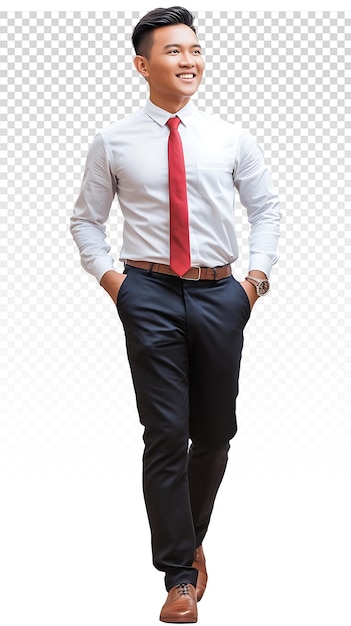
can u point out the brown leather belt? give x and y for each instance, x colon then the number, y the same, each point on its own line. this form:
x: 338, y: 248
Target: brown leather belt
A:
x: 195, y: 273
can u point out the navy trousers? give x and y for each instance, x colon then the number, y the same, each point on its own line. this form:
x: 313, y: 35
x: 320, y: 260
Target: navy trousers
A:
x: 184, y: 341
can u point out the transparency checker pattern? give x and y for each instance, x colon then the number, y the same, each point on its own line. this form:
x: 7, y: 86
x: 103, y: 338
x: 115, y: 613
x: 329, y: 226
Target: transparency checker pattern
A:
x: 66, y: 391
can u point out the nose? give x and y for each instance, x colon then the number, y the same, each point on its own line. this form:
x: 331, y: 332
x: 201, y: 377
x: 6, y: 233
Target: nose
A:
x: 187, y: 59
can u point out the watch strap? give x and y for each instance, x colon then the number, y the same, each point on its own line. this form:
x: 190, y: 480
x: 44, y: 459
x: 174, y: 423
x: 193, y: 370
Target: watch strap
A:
x: 255, y: 279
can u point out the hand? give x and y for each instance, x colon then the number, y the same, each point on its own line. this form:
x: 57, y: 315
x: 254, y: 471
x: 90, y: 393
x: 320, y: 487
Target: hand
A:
x: 250, y: 292
x: 111, y: 282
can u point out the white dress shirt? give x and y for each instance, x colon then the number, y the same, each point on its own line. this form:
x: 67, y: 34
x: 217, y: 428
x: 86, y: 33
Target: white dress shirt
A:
x: 130, y: 158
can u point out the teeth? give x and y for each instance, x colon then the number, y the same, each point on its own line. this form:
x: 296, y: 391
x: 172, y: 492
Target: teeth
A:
x: 186, y: 75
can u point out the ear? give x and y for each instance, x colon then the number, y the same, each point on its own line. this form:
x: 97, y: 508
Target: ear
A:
x: 140, y: 64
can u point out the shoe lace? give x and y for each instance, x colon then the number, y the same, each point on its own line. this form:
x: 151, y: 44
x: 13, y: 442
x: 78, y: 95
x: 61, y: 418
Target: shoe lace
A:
x: 183, y: 589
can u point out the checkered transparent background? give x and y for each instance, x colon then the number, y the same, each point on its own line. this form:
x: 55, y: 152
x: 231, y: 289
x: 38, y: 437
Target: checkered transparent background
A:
x: 68, y: 415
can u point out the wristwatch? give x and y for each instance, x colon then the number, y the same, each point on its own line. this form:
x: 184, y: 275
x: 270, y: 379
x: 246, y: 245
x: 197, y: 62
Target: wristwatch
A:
x: 261, y: 284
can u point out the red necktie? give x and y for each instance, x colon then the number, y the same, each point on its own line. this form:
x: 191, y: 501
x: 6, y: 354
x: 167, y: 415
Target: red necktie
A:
x: 178, y: 202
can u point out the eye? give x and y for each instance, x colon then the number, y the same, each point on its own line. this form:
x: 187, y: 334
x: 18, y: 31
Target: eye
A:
x: 174, y: 51
x: 197, y: 51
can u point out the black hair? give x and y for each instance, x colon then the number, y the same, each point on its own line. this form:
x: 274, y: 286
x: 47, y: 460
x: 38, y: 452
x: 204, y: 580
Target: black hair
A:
x: 142, y: 33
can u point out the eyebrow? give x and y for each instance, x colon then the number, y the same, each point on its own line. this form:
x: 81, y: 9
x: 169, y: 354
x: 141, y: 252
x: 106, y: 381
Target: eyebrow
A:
x: 178, y: 45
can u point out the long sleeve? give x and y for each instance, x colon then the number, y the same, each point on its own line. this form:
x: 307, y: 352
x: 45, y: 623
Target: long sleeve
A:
x: 92, y: 209
x: 257, y: 195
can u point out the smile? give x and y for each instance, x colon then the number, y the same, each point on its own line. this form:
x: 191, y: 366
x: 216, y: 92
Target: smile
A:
x: 186, y: 76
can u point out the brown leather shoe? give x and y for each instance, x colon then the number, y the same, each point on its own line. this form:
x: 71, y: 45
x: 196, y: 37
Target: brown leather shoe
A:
x: 180, y: 606
x: 200, y: 564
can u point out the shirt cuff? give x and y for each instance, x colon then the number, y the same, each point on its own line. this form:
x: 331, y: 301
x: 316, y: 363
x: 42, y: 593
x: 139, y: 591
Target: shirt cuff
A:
x: 260, y: 262
x: 100, y: 266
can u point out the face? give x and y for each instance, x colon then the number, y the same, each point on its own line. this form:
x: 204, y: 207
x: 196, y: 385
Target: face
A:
x: 174, y: 67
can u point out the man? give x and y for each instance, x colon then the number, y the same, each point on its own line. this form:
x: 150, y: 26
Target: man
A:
x: 182, y: 310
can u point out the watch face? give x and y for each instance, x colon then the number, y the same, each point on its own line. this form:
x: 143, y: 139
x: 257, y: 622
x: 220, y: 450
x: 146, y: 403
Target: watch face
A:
x: 263, y: 287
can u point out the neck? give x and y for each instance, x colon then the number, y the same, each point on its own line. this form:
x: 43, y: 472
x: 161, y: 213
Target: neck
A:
x: 170, y: 106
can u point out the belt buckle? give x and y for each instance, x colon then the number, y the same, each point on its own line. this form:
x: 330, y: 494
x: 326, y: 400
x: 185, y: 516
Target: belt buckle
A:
x: 198, y: 276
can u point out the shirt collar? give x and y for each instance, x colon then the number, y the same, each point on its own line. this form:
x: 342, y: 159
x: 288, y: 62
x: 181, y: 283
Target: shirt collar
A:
x: 161, y: 116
